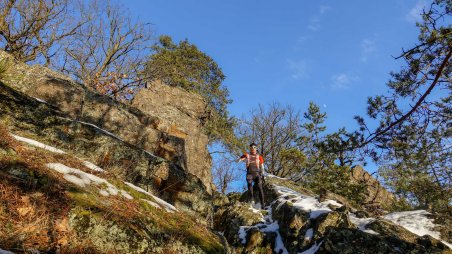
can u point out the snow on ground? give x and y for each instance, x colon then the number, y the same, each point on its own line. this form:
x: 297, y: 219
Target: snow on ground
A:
x: 38, y: 144
x: 361, y: 223
x: 5, y: 252
x: 84, y: 179
x: 55, y: 150
x: 152, y: 203
x: 92, y: 166
x: 273, y: 176
x: 306, y: 203
x: 168, y: 207
x: 268, y: 225
x: 309, y: 234
x: 40, y: 100
x: 417, y: 222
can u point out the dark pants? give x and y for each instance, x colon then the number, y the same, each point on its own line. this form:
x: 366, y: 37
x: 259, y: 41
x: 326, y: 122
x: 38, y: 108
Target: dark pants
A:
x: 256, y: 178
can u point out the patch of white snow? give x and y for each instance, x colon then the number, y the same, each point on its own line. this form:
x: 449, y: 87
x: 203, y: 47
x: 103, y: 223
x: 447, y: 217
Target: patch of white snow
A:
x: 5, y: 252
x: 40, y: 100
x: 273, y: 176
x: 361, y: 223
x: 125, y: 194
x: 83, y: 179
x: 306, y: 203
x: 242, y: 234
x: 417, y: 222
x: 38, y: 144
x: 309, y: 234
x: 92, y: 166
x: 152, y: 203
x: 267, y: 225
x: 168, y: 207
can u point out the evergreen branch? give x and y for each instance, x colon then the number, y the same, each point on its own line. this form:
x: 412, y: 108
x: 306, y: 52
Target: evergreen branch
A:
x: 414, y: 108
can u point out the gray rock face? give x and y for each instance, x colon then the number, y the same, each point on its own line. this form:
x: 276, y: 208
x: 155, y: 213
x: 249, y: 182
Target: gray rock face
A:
x: 327, y: 229
x: 377, y: 196
x: 170, y: 170
x: 181, y: 115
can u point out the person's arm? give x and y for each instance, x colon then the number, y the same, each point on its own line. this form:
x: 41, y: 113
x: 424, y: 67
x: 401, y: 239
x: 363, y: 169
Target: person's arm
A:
x: 261, y: 164
x: 243, y: 157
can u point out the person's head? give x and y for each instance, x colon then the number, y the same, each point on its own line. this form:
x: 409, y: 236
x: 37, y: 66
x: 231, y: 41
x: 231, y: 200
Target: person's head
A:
x: 253, y: 147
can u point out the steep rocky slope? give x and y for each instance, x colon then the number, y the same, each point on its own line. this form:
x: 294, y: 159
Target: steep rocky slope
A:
x: 296, y: 222
x: 52, y: 201
x: 167, y: 157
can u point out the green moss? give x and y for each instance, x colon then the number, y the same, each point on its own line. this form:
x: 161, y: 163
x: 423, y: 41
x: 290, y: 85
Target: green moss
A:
x: 84, y: 199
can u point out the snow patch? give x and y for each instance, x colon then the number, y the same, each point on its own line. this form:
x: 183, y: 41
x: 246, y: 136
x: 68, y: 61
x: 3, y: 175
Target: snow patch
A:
x: 273, y: 176
x: 268, y: 225
x: 242, y: 234
x: 309, y: 234
x: 361, y: 223
x: 417, y: 222
x: 305, y: 203
x: 40, y: 100
x: 83, y: 179
x: 152, y: 203
x: 92, y: 166
x: 168, y: 207
x: 38, y: 144
x: 5, y: 252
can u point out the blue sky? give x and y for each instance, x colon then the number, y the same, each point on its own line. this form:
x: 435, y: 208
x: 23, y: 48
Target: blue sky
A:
x: 335, y: 53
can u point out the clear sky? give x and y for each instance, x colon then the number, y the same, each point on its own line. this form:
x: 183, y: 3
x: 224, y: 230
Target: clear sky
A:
x: 335, y: 53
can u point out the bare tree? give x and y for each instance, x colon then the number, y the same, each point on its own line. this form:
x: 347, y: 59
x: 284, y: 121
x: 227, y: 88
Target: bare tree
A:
x: 108, y: 52
x: 275, y: 128
x: 32, y: 30
x: 224, y: 173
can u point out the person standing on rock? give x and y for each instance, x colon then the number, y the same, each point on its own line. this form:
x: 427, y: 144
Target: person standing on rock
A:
x: 254, y: 171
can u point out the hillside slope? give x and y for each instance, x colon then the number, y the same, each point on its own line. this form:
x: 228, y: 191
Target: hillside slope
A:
x: 53, y: 201
x: 296, y: 222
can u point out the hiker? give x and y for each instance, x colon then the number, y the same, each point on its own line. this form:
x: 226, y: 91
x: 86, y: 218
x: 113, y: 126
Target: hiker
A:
x: 254, y: 171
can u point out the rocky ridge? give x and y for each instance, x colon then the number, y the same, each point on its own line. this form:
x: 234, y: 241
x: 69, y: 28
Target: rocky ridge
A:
x: 296, y: 222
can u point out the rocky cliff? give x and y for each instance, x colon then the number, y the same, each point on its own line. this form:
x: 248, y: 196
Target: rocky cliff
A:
x: 181, y: 115
x: 377, y: 195
x: 173, y: 158
x: 296, y: 221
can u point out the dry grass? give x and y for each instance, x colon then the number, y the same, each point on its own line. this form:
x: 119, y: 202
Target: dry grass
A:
x: 34, y: 210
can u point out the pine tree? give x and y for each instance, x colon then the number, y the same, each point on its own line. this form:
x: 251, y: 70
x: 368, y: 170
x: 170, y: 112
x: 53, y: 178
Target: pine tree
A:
x: 413, y: 140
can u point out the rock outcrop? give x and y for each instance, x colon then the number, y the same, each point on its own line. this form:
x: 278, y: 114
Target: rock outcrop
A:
x: 181, y: 115
x: 163, y: 147
x: 295, y: 221
x: 378, y: 195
